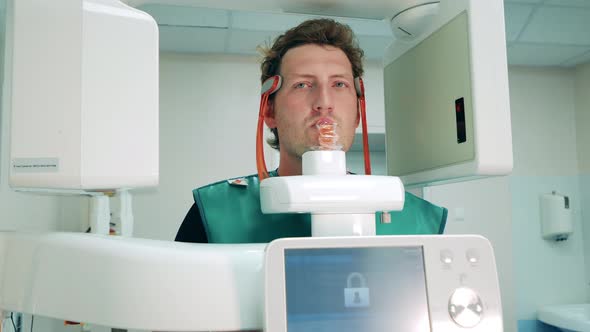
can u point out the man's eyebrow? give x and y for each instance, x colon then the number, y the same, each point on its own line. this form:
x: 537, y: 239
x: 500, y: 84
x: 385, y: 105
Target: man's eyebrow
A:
x: 346, y: 76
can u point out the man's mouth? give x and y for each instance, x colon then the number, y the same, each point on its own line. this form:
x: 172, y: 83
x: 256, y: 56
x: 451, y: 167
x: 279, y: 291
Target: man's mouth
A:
x: 322, y: 122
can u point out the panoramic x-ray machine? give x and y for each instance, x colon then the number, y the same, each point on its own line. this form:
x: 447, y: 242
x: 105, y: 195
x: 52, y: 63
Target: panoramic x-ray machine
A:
x: 97, y: 81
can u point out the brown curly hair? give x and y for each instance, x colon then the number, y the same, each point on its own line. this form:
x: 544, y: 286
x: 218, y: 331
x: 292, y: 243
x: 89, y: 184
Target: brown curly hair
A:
x: 316, y: 31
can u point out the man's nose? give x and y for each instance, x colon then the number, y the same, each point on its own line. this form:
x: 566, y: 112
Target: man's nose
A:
x: 323, y: 99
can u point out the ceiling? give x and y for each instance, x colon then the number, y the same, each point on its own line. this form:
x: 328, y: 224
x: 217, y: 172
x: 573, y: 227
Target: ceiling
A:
x: 548, y: 32
x: 538, y: 32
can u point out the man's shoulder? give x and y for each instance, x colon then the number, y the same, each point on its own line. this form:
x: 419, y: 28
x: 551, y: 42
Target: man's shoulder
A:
x: 237, y: 182
x: 414, y: 202
x: 237, y: 191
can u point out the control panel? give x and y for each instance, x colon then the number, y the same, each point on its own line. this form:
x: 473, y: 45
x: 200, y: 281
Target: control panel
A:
x: 382, y: 283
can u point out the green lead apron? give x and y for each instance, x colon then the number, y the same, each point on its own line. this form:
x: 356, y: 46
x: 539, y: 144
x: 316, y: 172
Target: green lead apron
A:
x: 231, y: 214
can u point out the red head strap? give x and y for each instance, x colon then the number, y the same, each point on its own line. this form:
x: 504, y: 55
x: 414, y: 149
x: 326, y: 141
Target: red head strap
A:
x: 360, y: 92
x: 270, y: 86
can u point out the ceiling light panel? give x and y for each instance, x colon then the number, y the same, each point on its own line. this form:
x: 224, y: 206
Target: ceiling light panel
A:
x: 258, y: 21
x: 577, y: 60
x: 380, y: 28
x: 559, y: 25
x: 188, y: 16
x: 569, y: 3
x: 524, y: 1
x: 542, y: 55
x: 516, y: 16
x: 191, y: 40
x: 374, y: 46
x: 246, y: 42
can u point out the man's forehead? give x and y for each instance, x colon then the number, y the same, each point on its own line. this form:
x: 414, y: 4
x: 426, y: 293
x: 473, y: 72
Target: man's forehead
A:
x: 313, y: 59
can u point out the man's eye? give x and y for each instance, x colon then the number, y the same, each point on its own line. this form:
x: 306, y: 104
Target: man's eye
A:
x: 341, y: 84
x: 300, y: 85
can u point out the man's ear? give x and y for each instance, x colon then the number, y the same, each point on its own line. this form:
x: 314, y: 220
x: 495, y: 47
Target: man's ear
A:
x: 269, y: 116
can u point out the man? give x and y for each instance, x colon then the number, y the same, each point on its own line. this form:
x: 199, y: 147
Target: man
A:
x: 318, y: 62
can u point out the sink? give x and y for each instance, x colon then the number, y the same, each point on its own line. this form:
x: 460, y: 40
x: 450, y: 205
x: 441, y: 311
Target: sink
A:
x: 567, y: 317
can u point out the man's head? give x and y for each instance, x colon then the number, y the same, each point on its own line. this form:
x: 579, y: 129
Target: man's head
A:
x: 318, y: 61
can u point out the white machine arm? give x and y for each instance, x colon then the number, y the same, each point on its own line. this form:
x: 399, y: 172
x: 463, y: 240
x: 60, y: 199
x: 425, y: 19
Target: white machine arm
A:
x: 132, y: 283
x: 331, y: 194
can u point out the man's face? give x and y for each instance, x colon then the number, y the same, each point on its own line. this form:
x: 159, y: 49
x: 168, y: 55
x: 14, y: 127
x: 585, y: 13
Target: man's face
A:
x: 318, y: 85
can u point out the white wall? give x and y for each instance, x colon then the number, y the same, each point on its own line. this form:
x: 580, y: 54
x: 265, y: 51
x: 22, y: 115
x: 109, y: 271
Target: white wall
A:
x: 208, y: 114
x: 545, y: 154
x: 544, y: 131
x: 583, y: 116
x: 583, y: 139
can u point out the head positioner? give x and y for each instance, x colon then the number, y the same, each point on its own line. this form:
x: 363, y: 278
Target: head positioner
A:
x: 272, y: 85
x: 360, y: 92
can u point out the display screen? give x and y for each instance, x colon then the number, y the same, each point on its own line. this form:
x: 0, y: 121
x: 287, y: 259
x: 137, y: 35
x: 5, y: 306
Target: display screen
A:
x: 356, y: 290
x: 460, y: 119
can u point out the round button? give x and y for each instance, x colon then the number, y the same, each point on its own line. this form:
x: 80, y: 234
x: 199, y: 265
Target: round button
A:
x: 446, y: 256
x: 472, y: 256
x: 465, y: 307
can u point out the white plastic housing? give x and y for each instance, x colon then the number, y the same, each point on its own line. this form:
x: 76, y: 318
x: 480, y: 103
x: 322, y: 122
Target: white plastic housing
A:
x: 412, y: 22
x: 450, y: 263
x: 349, y: 224
x: 556, y: 217
x: 132, y: 283
x: 331, y: 194
x: 83, y: 95
x: 154, y: 285
x: 324, y: 181
x: 422, y: 127
x: 324, y: 163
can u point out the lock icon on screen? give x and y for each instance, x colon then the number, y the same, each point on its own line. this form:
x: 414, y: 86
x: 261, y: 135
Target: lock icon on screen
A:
x: 356, y: 297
